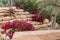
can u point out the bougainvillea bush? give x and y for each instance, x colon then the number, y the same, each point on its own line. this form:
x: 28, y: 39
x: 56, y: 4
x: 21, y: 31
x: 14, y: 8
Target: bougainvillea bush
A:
x: 39, y: 18
x: 11, y: 27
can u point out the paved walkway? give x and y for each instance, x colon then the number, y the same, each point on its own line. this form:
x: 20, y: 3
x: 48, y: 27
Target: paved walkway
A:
x: 38, y: 35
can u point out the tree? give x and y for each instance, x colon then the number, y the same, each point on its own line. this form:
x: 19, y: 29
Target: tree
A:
x: 54, y: 4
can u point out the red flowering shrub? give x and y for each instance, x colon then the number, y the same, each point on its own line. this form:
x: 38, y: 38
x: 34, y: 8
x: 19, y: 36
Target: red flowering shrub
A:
x: 39, y: 18
x: 34, y: 18
x: 6, y: 26
x: 27, y: 26
x: 16, y: 25
x: 33, y: 12
x: 10, y: 34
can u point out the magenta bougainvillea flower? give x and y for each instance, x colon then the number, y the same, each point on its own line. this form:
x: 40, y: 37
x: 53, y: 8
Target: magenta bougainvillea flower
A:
x: 6, y: 26
x: 16, y: 25
x: 39, y: 18
x: 34, y: 18
x: 10, y: 34
x: 33, y: 12
x: 30, y: 26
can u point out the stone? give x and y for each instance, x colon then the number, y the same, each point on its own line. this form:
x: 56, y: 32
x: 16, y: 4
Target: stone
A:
x: 6, y: 18
x: 46, y: 21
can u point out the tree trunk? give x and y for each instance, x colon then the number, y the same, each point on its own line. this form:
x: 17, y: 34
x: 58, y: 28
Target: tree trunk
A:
x: 53, y: 17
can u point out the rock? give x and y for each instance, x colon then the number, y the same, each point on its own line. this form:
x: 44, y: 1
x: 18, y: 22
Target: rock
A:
x: 46, y: 21
x: 6, y: 18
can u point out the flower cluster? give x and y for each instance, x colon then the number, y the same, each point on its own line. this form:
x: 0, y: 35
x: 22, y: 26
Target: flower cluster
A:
x: 16, y: 25
x: 38, y: 17
x: 33, y: 12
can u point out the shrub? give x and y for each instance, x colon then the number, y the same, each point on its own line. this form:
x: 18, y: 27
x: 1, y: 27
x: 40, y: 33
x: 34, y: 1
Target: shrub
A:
x: 48, y: 12
x: 28, y: 5
x: 58, y: 16
x: 16, y: 25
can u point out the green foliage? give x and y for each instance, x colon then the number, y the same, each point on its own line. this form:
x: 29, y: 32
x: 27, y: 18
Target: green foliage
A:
x: 4, y: 2
x: 32, y: 4
x: 48, y: 12
x: 58, y: 16
x: 29, y: 5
